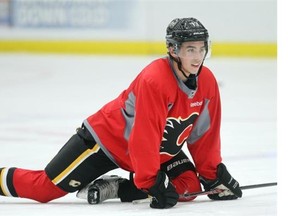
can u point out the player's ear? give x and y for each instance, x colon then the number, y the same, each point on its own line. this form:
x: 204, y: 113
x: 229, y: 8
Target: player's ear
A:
x: 172, y: 51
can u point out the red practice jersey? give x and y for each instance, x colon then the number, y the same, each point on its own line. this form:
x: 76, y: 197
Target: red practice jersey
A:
x: 148, y: 123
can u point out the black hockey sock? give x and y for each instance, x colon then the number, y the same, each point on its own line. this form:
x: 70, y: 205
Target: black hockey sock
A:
x: 6, y: 182
x: 128, y: 192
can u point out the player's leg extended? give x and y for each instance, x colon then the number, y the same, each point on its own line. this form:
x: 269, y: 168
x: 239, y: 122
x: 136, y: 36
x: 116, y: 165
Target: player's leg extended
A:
x: 32, y: 184
x: 182, y: 173
x: 79, y: 162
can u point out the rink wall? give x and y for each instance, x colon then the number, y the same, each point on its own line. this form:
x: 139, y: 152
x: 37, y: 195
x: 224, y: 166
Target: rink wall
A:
x: 135, y: 27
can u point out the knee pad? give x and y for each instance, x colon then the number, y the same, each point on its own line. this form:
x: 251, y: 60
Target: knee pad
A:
x: 186, y: 182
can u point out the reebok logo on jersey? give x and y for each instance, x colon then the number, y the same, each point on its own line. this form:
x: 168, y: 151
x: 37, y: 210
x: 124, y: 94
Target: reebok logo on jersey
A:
x: 197, y: 103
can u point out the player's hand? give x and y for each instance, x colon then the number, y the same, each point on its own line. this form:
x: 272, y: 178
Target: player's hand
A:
x: 163, y: 192
x: 225, y: 182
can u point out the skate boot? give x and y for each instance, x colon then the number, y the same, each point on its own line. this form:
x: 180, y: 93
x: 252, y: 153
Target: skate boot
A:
x: 101, y: 189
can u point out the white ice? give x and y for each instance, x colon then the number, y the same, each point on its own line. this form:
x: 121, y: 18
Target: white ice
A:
x: 44, y: 98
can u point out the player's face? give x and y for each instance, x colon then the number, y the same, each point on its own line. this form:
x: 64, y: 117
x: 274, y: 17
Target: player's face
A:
x: 192, y: 54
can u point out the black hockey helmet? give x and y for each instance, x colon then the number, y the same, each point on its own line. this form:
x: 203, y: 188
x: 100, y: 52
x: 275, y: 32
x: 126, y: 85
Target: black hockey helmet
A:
x: 185, y: 29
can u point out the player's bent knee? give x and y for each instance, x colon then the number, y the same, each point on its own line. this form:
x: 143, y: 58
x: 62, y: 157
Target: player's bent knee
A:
x: 186, y: 182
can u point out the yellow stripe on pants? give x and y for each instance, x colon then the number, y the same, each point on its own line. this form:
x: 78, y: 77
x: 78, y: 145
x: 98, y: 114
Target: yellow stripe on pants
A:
x: 75, y: 164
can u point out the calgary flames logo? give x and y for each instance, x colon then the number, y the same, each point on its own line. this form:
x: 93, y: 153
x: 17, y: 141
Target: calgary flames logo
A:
x: 176, y: 132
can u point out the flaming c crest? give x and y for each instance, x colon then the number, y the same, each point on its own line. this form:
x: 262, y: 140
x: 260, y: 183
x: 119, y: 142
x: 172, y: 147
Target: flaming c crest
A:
x: 176, y: 132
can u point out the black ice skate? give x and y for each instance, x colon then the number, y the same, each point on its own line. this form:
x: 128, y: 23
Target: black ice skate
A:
x: 101, y: 189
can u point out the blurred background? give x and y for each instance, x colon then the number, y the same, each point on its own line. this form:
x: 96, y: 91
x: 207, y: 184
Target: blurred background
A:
x: 136, y: 27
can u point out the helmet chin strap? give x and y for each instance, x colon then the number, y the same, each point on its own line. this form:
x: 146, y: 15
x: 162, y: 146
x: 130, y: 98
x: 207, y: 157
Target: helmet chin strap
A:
x: 191, y: 81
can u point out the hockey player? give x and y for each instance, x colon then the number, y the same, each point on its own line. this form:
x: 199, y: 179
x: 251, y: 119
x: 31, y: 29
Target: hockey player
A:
x: 173, y: 101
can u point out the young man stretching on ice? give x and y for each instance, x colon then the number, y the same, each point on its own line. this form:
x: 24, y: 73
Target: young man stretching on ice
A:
x: 173, y: 101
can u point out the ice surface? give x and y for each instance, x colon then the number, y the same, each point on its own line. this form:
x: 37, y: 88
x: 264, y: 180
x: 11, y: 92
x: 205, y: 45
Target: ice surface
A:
x: 44, y: 98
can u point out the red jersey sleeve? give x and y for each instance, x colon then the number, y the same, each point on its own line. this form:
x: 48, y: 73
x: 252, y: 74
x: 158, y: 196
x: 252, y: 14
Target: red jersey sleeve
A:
x: 204, y: 142
x: 144, y: 143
